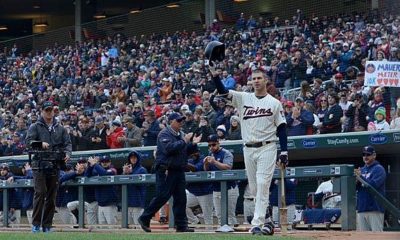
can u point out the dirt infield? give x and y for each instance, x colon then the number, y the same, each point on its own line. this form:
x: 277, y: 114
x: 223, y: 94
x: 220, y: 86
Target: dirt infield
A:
x: 300, y: 234
x: 339, y: 235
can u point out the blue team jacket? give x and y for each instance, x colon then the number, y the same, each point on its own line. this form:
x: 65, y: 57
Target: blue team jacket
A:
x: 199, y: 189
x: 137, y: 193
x: 66, y: 194
x: 171, y: 150
x: 290, y: 188
x: 375, y: 175
x: 219, y: 156
x: 104, y: 195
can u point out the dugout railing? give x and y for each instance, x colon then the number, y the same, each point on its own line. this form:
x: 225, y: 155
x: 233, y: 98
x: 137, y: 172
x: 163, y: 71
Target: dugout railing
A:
x: 344, y: 184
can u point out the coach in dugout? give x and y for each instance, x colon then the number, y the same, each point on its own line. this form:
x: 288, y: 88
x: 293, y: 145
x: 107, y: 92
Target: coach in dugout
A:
x: 369, y: 212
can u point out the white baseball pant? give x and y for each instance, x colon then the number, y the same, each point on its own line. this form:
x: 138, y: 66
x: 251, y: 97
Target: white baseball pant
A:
x: 133, y: 214
x: 248, y: 209
x: 107, y: 215
x: 260, y: 165
x: 29, y: 215
x: 291, y: 211
x: 233, y: 195
x: 206, y: 204
x: 16, y: 215
x: 65, y: 216
x: 90, y: 208
x: 370, y: 221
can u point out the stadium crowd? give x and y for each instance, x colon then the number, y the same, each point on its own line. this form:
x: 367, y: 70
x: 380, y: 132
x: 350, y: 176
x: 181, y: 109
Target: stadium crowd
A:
x: 117, y: 92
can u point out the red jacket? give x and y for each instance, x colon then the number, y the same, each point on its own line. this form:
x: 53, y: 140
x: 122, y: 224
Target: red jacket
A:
x: 112, y: 139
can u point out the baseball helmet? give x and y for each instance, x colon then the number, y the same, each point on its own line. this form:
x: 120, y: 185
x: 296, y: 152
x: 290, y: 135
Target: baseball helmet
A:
x: 215, y: 51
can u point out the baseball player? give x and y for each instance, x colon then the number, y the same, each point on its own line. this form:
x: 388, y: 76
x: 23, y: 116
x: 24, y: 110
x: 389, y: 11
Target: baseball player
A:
x: 263, y: 121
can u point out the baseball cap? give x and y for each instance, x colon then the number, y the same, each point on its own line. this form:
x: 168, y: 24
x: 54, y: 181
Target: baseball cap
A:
x: 4, y: 166
x: 368, y: 150
x: 212, y: 138
x: 299, y: 99
x: 47, y: 104
x: 192, y: 148
x: 98, y: 120
x: 338, y: 75
x: 104, y: 158
x: 116, y: 123
x: 176, y: 116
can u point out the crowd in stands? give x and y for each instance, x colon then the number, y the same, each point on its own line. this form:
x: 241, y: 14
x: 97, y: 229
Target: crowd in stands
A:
x: 117, y: 92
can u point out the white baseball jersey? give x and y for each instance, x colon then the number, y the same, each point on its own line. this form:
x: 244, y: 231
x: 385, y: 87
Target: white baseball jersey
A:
x: 259, y: 118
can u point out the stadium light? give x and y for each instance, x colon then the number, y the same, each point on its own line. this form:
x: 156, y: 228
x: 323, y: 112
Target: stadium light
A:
x: 173, y: 5
x: 100, y: 15
x: 3, y: 28
x: 240, y: 1
x: 41, y: 24
x: 136, y: 10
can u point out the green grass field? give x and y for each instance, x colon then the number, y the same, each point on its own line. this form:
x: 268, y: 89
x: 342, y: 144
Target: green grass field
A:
x: 133, y: 236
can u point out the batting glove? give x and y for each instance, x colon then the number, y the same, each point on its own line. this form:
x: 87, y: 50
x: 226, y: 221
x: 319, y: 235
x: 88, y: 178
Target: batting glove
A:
x: 283, y: 158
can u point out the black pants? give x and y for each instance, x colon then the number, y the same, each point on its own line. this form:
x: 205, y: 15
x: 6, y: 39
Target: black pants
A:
x: 44, y: 198
x: 166, y: 186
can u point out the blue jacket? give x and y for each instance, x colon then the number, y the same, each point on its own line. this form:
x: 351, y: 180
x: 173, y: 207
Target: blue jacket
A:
x: 199, y: 189
x: 66, y: 194
x: 229, y: 82
x: 27, y: 193
x: 137, y: 193
x: 14, y: 201
x: 375, y: 175
x: 152, y: 133
x: 220, y: 156
x: 105, y: 195
x: 299, y: 127
x: 171, y: 150
x: 290, y: 188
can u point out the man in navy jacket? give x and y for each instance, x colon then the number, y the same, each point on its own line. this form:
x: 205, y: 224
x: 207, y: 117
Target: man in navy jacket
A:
x: 370, y: 213
x: 170, y: 165
x: 198, y: 193
x: 299, y: 119
x: 105, y: 195
x: 136, y: 193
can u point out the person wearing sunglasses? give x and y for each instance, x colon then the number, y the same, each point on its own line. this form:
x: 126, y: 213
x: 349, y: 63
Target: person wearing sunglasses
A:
x: 221, y: 159
x: 170, y: 165
x: 370, y: 214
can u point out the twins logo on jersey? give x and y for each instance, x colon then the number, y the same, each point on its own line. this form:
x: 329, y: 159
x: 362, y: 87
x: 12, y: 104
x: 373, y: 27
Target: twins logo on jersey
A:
x: 251, y: 112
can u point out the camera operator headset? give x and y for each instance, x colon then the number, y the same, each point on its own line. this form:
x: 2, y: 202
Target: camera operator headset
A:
x: 51, y: 147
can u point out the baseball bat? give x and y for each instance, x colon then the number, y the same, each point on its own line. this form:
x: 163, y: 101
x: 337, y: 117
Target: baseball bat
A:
x: 283, y: 219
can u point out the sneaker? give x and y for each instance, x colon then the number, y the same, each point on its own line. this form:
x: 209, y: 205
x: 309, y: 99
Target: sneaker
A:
x: 35, y: 229
x: 144, y: 225
x: 163, y: 220
x: 48, y: 230
x: 268, y: 229
x: 185, y: 229
x: 256, y: 231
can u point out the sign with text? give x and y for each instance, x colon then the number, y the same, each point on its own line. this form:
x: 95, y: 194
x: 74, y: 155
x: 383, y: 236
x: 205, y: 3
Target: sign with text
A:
x: 382, y: 73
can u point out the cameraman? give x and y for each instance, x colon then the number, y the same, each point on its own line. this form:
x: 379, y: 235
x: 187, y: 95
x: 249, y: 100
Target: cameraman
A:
x: 53, y: 137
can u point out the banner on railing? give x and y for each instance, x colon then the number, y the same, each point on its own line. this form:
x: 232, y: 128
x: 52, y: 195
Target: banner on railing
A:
x: 382, y: 73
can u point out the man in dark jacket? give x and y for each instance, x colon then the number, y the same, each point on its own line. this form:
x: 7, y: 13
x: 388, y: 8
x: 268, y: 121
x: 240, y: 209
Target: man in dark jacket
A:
x: 45, y: 173
x: 105, y: 195
x: 98, y: 134
x: 299, y: 119
x: 170, y: 165
x: 198, y: 193
x: 332, y: 119
x: 67, y: 194
x: 357, y: 115
x: 370, y: 214
x: 136, y: 193
x: 151, y: 128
